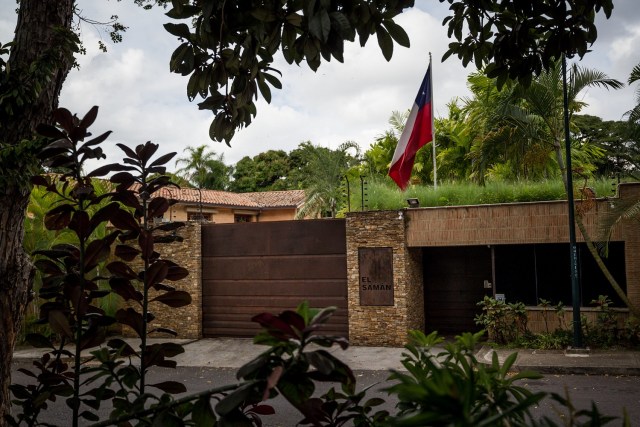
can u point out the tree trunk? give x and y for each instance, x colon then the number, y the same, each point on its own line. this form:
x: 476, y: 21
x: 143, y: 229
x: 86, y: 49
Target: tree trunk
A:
x: 41, y: 23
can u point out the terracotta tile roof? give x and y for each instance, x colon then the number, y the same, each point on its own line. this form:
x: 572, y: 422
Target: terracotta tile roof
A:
x: 278, y: 199
x: 267, y: 199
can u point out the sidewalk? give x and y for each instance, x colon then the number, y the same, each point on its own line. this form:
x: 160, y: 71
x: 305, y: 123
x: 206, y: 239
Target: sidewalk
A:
x: 235, y: 352
x: 596, y: 362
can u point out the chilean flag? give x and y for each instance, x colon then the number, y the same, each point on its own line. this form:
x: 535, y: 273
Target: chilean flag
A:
x: 417, y: 132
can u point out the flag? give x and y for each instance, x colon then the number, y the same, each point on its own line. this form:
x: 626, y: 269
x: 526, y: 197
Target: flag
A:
x: 417, y: 132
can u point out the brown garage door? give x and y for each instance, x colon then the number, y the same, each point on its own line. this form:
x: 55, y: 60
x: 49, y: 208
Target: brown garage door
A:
x: 453, y: 285
x: 249, y: 268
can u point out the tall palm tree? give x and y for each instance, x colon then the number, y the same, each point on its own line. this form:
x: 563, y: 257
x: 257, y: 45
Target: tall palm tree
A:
x: 325, y: 169
x: 524, y: 126
x: 203, y: 168
x: 634, y: 114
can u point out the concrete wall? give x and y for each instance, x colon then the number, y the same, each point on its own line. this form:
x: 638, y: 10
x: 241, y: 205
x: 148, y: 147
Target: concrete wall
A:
x: 222, y: 215
x: 521, y: 223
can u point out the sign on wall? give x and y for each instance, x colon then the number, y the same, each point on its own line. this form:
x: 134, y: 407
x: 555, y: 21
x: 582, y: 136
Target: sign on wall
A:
x: 376, y: 276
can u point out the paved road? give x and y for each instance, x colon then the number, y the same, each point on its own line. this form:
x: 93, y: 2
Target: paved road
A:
x: 611, y: 393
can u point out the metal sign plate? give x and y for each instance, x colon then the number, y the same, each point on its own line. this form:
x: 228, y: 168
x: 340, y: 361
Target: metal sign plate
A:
x: 376, y: 276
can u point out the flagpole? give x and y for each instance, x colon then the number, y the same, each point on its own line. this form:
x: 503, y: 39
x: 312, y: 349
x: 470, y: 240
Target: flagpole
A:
x: 433, y: 130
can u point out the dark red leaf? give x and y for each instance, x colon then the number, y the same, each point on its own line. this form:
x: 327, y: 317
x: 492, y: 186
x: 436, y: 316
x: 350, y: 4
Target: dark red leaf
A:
x: 128, y: 151
x: 38, y: 341
x: 293, y: 319
x: 50, y: 131
x: 169, y: 226
x: 93, y: 337
x: 103, y: 170
x: 156, y: 273
x: 146, y: 151
x: 157, y: 207
x: 48, y: 267
x: 104, y: 214
x: 125, y: 289
x: 174, y: 298
x: 65, y: 118
x: 59, y: 323
x: 162, y: 160
x: 58, y: 218
x: 131, y: 318
x: 276, y: 326
x: 176, y: 272
x: 39, y: 180
x: 96, y: 252
x: 128, y: 198
x: 120, y: 345
x: 97, y: 140
x: 123, y: 220
x: 78, y: 133
x: 163, y: 287
x: 126, y: 252
x: 89, y: 118
x: 80, y: 224
x: 120, y: 269
x: 124, y: 177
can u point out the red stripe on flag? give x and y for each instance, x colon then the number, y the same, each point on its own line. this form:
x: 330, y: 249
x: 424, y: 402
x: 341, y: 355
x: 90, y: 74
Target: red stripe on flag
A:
x: 421, y: 134
x: 417, y: 132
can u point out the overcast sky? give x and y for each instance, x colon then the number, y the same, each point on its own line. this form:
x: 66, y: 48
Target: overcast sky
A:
x: 140, y: 100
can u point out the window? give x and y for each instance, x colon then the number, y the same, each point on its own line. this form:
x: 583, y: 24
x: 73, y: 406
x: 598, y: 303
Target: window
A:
x: 197, y: 216
x: 242, y: 218
x: 526, y: 273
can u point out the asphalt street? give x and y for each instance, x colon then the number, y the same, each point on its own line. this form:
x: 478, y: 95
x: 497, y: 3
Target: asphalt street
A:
x: 610, y: 393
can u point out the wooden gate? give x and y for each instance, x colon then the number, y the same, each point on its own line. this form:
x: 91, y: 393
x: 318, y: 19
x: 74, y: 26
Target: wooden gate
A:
x: 250, y: 268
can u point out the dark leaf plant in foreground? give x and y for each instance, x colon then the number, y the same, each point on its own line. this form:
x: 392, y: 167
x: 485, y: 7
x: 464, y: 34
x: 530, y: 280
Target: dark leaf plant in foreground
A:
x: 71, y: 283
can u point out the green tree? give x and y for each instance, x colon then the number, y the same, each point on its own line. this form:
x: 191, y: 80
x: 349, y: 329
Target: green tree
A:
x: 325, y: 172
x: 518, y: 40
x: 522, y: 127
x: 619, y: 139
x: 634, y: 113
x: 454, y: 137
x: 266, y: 171
x: 204, y: 169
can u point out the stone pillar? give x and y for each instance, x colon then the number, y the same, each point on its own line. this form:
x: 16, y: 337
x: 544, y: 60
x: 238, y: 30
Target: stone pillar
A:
x: 187, y: 321
x: 384, y: 325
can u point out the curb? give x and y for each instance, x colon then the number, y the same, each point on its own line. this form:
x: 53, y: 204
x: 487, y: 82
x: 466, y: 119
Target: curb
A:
x: 572, y: 366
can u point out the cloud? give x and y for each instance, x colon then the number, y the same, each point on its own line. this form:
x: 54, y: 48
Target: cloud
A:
x: 140, y: 100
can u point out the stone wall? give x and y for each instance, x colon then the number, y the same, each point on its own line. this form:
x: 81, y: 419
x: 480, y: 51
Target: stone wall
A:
x: 384, y: 325
x: 186, y: 321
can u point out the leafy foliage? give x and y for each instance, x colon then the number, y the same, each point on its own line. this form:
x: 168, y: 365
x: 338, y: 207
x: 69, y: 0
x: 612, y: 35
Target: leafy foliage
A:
x: 266, y: 171
x: 204, y: 169
x: 228, y: 52
x: 71, y: 284
x: 517, y: 40
x: 325, y: 170
x: 452, y: 388
x: 634, y: 114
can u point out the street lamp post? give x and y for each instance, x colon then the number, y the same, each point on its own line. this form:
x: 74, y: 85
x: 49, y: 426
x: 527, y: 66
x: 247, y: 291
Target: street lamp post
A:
x: 573, y: 252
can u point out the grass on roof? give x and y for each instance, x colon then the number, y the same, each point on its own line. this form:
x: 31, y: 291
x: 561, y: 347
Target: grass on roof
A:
x: 382, y: 195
